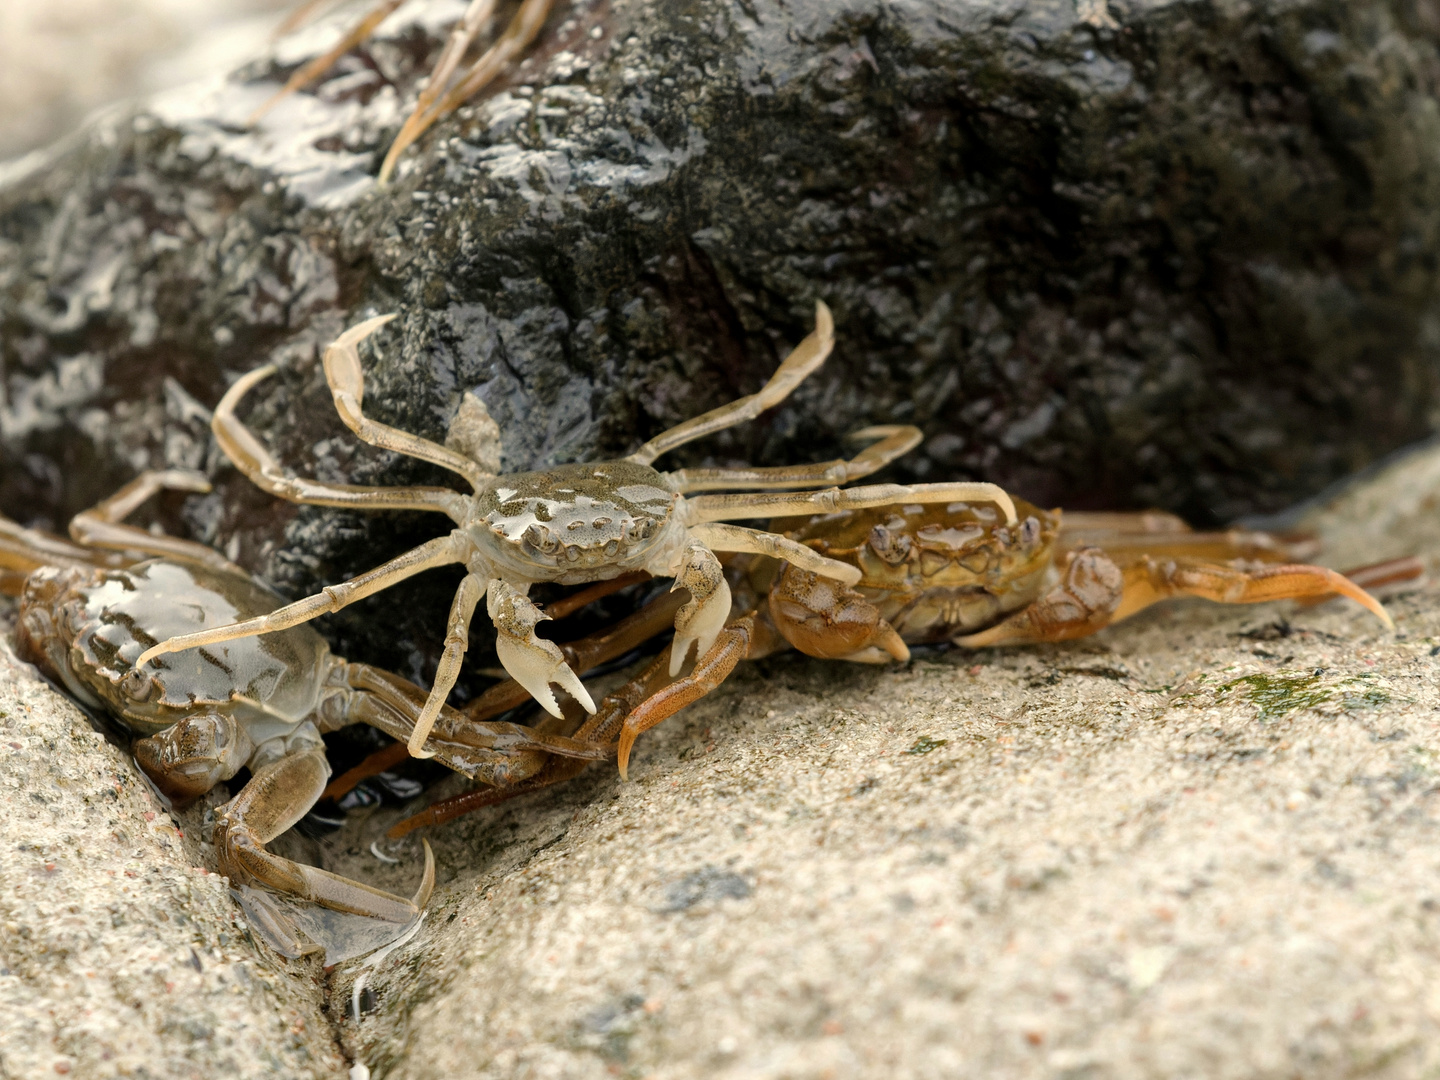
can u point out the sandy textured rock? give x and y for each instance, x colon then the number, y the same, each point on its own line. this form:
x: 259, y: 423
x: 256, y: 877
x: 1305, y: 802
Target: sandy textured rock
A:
x: 120, y: 953
x: 1201, y: 845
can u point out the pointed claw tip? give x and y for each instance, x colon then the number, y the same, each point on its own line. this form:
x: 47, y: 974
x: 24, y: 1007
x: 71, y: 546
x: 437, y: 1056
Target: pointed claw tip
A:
x: 427, y: 881
x: 678, y: 658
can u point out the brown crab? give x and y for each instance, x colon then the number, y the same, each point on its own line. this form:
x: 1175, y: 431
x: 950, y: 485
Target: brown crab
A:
x: 953, y: 572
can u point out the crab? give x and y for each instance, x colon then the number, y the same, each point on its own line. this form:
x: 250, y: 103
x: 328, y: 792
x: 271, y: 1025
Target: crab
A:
x: 443, y: 92
x: 956, y: 573
x: 571, y: 524
x: 89, y: 607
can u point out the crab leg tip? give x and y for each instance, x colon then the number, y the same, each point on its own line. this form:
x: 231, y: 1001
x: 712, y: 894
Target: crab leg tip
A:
x: 427, y: 881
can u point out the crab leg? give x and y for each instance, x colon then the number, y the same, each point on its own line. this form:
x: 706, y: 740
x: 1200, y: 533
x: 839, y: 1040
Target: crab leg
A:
x: 632, y: 631
x: 711, y: 669
x: 457, y: 638
x: 102, y: 525
x: 497, y: 754
x: 518, y: 35
x: 608, y: 721
x: 25, y: 550
x: 438, y: 552
x: 729, y: 507
x: 895, y: 440
x: 277, y: 796
x: 461, y: 35
x: 248, y: 455
x: 1095, y: 592
x: 347, y: 387
x: 798, y: 366
x: 738, y: 538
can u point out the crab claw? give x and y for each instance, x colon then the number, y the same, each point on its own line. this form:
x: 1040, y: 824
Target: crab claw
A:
x: 531, y: 661
x: 824, y: 618
x: 700, y: 621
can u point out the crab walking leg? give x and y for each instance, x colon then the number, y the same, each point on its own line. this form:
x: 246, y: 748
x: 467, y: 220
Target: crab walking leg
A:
x: 457, y: 637
x: 737, y: 538
x: 321, y: 64
x: 24, y: 550
x: 277, y: 796
x: 703, y: 617
x: 405, y: 700
x: 894, y: 440
x: 1150, y: 579
x: 347, y: 387
x: 438, y: 552
x: 609, y: 721
x: 523, y: 29
x: 102, y: 525
x: 729, y: 507
x: 1095, y: 592
x: 496, y: 754
x: 1219, y: 546
x: 711, y: 669
x: 476, y: 16
x: 461, y: 35
x: 803, y: 360
x: 248, y: 455
x: 531, y: 661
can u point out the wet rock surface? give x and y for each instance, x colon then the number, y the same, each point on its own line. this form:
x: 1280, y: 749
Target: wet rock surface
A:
x: 1145, y: 254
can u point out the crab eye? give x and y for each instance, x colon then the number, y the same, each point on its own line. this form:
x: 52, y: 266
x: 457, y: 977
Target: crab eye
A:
x: 136, y: 684
x: 1029, y: 531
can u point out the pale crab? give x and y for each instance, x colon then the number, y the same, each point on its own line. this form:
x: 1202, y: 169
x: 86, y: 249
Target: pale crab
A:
x: 571, y: 524
x: 89, y: 607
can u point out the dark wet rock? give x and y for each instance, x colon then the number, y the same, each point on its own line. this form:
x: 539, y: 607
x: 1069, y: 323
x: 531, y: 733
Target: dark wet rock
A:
x: 1156, y: 254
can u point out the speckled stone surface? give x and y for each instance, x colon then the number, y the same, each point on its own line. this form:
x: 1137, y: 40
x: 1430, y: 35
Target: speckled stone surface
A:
x: 121, y: 954
x: 1203, y: 844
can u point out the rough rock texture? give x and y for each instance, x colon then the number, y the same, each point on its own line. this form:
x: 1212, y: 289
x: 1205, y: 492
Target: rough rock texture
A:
x: 1147, y: 253
x: 121, y: 954
x: 1203, y: 844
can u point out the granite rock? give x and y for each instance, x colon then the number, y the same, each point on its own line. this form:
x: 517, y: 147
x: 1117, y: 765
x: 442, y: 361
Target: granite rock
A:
x: 121, y: 951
